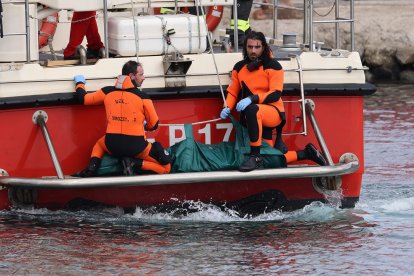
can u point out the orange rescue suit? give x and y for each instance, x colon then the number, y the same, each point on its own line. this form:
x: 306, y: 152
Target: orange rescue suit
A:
x: 126, y: 107
x: 265, y: 84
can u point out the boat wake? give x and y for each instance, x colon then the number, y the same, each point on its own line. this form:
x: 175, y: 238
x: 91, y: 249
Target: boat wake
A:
x: 191, y: 211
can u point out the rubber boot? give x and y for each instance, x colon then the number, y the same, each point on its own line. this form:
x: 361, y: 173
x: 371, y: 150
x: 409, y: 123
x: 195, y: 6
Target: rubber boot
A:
x: 254, y: 161
x: 132, y: 166
x: 311, y: 153
x: 92, y: 168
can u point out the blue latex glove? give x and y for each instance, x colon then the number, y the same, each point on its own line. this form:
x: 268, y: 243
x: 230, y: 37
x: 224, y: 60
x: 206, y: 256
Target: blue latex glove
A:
x: 79, y: 78
x: 242, y: 104
x: 225, y: 113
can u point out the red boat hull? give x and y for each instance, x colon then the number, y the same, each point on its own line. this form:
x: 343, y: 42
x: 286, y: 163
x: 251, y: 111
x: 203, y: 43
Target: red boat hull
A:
x: 74, y: 129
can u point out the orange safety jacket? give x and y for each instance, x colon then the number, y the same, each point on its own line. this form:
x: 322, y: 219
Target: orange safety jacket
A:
x: 265, y: 84
x: 126, y: 107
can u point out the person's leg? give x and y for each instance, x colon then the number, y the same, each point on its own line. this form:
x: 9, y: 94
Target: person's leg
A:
x: 152, y: 159
x: 258, y: 116
x: 308, y: 153
x: 311, y: 153
x: 267, y: 135
x: 149, y: 163
x: 94, y: 42
x: 98, y: 151
x: 78, y: 29
x: 243, y: 26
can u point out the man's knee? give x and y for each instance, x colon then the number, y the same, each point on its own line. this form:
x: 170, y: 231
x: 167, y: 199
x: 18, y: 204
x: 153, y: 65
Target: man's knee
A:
x: 160, y: 154
x: 251, y: 110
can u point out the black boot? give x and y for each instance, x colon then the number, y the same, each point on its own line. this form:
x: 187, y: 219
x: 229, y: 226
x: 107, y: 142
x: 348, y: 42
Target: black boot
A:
x: 132, y: 166
x: 252, y: 162
x: 311, y: 153
x: 91, y: 169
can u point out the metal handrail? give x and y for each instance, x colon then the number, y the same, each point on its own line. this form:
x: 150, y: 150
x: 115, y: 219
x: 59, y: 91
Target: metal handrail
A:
x: 348, y: 167
x: 26, y: 7
x: 302, y: 93
x: 40, y: 119
x: 318, y: 133
x: 309, y: 24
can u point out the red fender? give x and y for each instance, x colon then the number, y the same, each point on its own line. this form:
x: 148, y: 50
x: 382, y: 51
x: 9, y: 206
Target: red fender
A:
x: 47, y: 29
x: 213, y: 17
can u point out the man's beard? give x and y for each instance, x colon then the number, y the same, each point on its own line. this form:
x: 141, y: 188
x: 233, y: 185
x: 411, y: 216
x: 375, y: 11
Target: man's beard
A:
x: 134, y: 82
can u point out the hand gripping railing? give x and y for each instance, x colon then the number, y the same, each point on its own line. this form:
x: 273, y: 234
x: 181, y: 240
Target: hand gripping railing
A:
x: 40, y: 119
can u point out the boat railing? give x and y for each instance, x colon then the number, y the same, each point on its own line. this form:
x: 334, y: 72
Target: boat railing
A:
x: 301, y: 100
x: 309, y: 22
x: 309, y: 106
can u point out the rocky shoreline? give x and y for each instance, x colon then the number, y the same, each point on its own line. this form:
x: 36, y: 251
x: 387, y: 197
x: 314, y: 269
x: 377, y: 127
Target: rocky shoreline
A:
x: 384, y: 33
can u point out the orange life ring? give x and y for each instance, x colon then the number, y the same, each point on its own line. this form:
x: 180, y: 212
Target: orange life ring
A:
x: 47, y: 29
x: 213, y: 16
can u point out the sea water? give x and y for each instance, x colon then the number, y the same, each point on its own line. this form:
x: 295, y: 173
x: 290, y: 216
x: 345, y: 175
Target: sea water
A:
x: 374, y: 238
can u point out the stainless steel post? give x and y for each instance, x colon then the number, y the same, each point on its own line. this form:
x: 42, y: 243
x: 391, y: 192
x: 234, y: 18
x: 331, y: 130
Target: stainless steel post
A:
x: 352, y: 15
x: 236, y: 27
x: 311, y: 25
x: 305, y: 21
x: 275, y: 8
x: 302, y: 93
x: 105, y: 6
x: 322, y: 144
x: 40, y: 119
x: 337, y: 24
x: 26, y: 7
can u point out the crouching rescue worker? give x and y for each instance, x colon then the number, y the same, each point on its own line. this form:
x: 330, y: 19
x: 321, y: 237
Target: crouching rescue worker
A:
x: 129, y: 112
x: 259, y: 80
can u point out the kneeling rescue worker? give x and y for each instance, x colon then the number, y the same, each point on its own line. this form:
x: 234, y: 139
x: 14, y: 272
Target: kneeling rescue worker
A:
x: 259, y: 80
x: 129, y: 112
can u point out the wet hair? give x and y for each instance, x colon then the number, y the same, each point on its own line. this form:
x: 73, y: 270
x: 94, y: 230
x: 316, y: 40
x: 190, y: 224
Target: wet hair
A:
x: 130, y: 67
x: 267, y: 53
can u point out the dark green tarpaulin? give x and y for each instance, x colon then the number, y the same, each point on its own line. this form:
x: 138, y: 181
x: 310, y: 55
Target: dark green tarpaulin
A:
x: 193, y: 156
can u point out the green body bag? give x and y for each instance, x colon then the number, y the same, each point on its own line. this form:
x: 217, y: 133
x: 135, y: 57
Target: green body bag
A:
x: 192, y: 156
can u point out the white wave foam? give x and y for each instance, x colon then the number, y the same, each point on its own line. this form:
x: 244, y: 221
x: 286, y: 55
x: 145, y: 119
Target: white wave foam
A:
x: 402, y: 204
x: 315, y: 211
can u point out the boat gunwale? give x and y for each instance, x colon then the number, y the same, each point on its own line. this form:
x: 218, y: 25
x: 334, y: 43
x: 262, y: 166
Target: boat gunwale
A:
x: 180, y: 178
x: 70, y: 98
